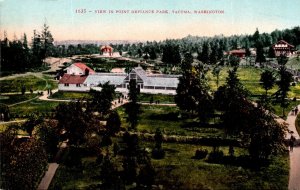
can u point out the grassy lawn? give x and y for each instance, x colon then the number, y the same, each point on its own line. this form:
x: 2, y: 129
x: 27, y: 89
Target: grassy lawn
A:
x: 156, y: 97
x: 3, y: 127
x: 245, y: 74
x: 35, y: 106
x: 249, y: 77
x: 70, y: 179
x: 295, y: 91
x: 278, y: 109
x: 12, y: 99
x: 293, y: 63
x: 70, y: 95
x: 166, y: 118
x: 106, y: 64
x: 15, y: 85
x: 179, y: 170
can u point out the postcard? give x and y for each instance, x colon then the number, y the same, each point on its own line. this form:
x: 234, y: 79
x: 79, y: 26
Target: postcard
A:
x: 157, y: 94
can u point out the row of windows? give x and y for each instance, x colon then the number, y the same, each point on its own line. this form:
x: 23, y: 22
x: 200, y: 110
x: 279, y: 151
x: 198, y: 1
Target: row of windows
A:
x: 77, y: 85
x: 159, y: 87
x: 145, y: 87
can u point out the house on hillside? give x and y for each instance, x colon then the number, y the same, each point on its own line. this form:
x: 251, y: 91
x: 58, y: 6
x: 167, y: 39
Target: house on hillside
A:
x: 106, y: 50
x: 79, y: 69
x: 147, y: 83
x: 283, y: 48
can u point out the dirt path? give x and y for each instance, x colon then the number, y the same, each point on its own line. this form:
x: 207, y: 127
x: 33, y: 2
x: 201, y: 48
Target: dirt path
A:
x: 53, y: 62
x: 39, y: 75
x: 294, y: 176
x: 52, y: 167
x: 48, y: 176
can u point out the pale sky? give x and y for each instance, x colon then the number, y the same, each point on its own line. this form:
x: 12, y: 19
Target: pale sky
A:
x: 239, y: 17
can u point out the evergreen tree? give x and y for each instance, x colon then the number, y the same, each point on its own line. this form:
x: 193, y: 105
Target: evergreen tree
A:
x: 204, y: 55
x: 234, y: 61
x: 75, y: 128
x: 267, y: 80
x: 192, y: 93
x: 216, y: 72
x: 47, y: 42
x: 271, y: 52
x: 113, y: 123
x: 133, y: 91
x: 231, y: 99
x: 132, y: 108
x: 102, y: 101
x: 285, y: 78
x: 260, y: 57
x: 171, y: 54
x: 152, y: 53
x: 213, y: 57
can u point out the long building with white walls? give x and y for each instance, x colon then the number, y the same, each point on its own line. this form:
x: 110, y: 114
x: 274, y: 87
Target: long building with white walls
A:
x: 147, y: 83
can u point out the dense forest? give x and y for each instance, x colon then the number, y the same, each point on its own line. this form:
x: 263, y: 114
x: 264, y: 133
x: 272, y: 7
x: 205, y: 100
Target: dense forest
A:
x: 20, y: 55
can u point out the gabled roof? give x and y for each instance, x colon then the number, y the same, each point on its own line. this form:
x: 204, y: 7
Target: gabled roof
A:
x: 140, y: 72
x: 283, y: 42
x: 72, y: 79
x: 83, y: 67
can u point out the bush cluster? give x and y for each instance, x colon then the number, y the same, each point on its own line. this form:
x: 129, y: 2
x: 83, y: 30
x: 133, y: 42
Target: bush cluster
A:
x: 158, y: 153
x: 201, y: 153
x: 215, y: 156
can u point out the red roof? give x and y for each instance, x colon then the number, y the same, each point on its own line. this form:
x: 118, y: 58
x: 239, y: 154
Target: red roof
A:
x: 283, y: 42
x: 72, y: 79
x: 106, y: 47
x: 238, y: 51
x: 83, y: 67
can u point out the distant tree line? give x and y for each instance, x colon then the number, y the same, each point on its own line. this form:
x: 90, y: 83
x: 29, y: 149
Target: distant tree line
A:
x: 209, y: 50
x: 20, y: 55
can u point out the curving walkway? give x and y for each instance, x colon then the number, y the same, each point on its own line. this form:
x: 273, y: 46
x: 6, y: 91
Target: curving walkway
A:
x: 294, y: 176
x: 52, y: 167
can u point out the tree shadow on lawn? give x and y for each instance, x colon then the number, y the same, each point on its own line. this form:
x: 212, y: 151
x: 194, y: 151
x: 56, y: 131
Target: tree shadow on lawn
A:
x: 171, y: 151
x: 172, y: 116
x: 197, y: 124
x: 244, y: 161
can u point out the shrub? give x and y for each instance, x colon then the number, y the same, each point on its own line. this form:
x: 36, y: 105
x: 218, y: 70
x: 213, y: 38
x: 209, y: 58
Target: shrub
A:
x: 158, y: 153
x: 201, y: 153
x: 215, y: 156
